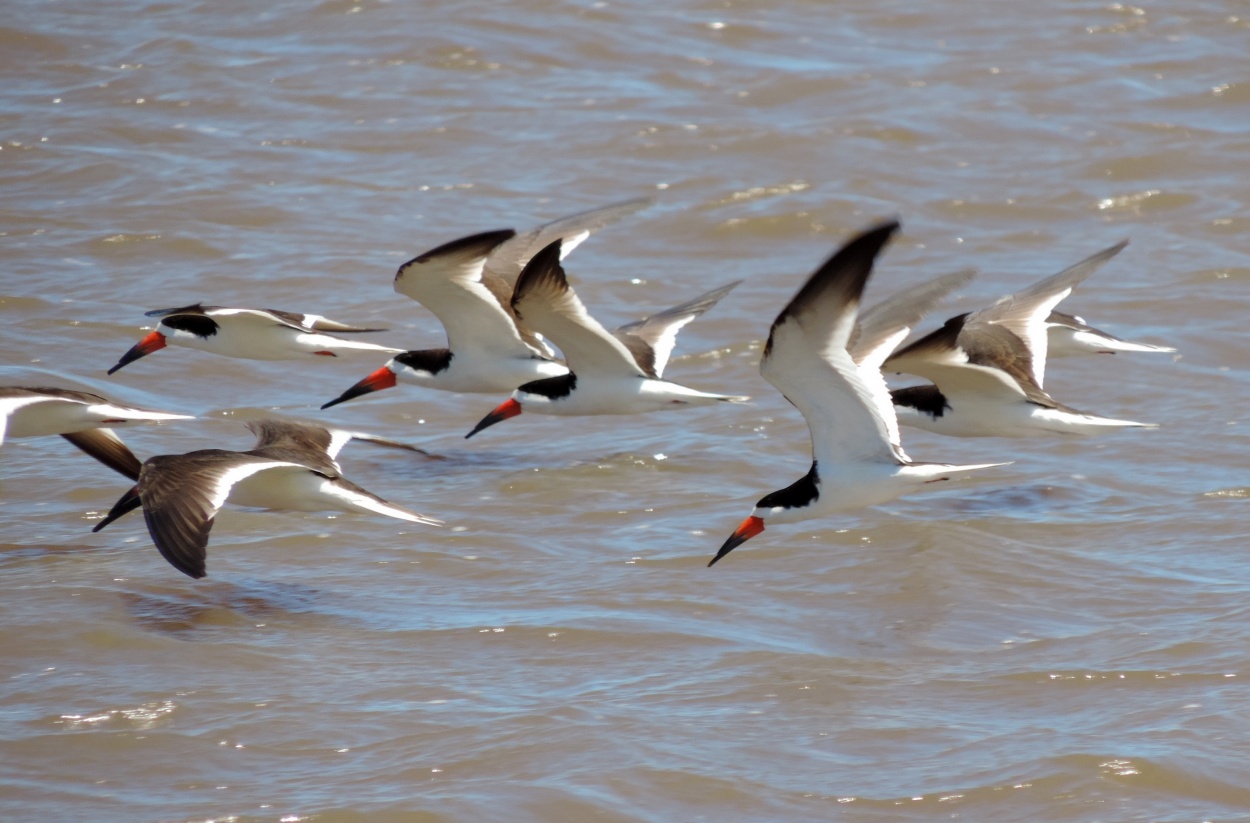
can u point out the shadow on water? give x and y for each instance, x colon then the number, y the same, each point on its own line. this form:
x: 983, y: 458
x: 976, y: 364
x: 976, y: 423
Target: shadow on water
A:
x: 1029, y: 502
x: 19, y: 554
x: 197, y: 613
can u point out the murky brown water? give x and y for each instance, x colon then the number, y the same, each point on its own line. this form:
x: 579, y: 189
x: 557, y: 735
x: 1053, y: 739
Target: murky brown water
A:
x: 1064, y: 640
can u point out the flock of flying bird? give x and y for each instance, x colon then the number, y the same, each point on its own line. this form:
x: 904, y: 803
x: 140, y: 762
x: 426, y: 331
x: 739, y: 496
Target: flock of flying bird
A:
x: 503, y: 297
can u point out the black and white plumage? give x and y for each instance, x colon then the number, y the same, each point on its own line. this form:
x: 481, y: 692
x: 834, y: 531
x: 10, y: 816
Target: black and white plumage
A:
x: 82, y: 418
x: 468, y: 285
x: 857, y: 454
x: 252, y: 334
x: 988, y: 368
x: 611, y: 372
x: 1070, y: 336
x: 292, y: 467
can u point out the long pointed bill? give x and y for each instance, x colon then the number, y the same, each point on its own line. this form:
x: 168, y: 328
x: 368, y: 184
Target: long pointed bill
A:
x: 383, y: 378
x: 155, y: 341
x: 506, y: 409
x: 750, y: 527
x: 126, y: 504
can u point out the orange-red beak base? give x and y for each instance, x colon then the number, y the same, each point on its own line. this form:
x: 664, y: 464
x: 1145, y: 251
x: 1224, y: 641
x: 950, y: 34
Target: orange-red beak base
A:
x: 750, y: 527
x: 506, y: 409
x: 153, y: 342
x: 383, y: 378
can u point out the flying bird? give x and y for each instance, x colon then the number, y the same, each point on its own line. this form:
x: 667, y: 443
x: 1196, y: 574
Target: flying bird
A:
x: 988, y: 368
x: 252, y: 334
x: 610, y: 372
x: 292, y: 467
x: 857, y: 454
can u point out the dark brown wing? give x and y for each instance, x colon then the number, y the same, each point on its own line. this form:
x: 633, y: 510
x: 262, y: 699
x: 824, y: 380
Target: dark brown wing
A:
x: 181, y: 495
x: 296, y: 442
x: 108, y: 448
x: 969, y: 356
x: 194, y: 308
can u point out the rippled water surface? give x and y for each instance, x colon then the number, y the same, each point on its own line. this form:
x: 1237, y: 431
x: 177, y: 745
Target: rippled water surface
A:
x: 1064, y: 639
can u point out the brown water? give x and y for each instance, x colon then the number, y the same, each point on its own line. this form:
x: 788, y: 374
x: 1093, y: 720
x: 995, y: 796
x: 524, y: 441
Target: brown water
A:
x: 1064, y: 640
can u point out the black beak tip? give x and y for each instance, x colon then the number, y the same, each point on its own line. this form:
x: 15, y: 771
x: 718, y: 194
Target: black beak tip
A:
x: 129, y: 357
x: 352, y: 393
x: 486, y: 422
x: 729, y: 545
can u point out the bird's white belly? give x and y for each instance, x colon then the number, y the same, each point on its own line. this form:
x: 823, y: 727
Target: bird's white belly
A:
x: 1066, y: 342
x: 619, y: 396
x: 848, y: 487
x: 43, y: 418
x: 1057, y: 421
x: 247, y: 341
x: 484, y: 375
x: 967, y: 418
x: 1063, y: 341
x: 287, y: 488
x: 866, y: 487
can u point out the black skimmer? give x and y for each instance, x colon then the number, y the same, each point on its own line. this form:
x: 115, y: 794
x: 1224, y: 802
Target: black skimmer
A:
x: 857, y: 454
x: 468, y: 285
x: 82, y: 418
x: 1069, y: 336
x: 292, y: 467
x: 988, y: 368
x: 253, y: 334
x: 611, y: 373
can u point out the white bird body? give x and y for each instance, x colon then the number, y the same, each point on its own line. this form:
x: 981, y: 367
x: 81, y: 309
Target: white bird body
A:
x: 1071, y: 336
x: 841, y: 488
x: 37, y: 412
x: 473, y: 371
x: 996, y: 415
x: 250, y: 334
x: 83, y: 418
x: 259, y: 334
x: 610, y: 394
x: 284, y: 486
